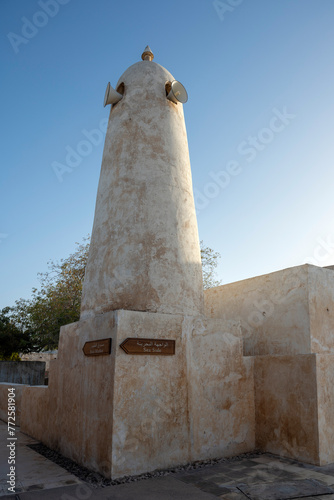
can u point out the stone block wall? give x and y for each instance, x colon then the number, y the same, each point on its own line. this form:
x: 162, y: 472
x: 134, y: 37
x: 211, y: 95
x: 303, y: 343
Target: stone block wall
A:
x: 286, y: 402
x: 4, y: 386
x: 286, y: 312
x: 287, y: 322
x: 124, y: 414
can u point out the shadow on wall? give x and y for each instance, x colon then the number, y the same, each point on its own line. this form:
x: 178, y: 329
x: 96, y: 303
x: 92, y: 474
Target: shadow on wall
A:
x: 23, y: 372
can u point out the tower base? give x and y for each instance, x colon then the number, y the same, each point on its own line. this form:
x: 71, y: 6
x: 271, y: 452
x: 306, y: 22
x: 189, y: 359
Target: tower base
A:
x: 124, y: 414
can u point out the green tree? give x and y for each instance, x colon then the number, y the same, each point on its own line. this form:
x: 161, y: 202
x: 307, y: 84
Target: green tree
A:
x: 58, y: 300
x: 12, y: 339
x: 210, y: 260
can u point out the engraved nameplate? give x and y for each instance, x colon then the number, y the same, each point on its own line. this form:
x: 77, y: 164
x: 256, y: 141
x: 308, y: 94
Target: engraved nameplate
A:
x: 97, y: 347
x: 161, y: 347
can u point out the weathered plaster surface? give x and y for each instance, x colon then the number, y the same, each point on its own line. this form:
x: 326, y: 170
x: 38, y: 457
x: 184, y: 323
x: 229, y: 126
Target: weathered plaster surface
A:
x: 325, y: 385
x: 123, y: 414
x: 40, y: 356
x: 286, y: 406
x: 221, y: 389
x: 272, y: 309
x: 150, y: 404
x: 321, y: 307
x: 287, y: 322
x: 144, y: 252
x: 4, y: 386
x: 286, y: 312
x: 77, y: 419
x: 36, y: 419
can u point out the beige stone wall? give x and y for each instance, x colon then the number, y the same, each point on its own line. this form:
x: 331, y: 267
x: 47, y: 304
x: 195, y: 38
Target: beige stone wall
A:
x: 325, y: 387
x: 77, y: 412
x: 4, y: 386
x: 35, y: 410
x: 198, y: 403
x: 221, y: 389
x: 286, y: 312
x: 287, y: 321
x: 286, y: 406
x: 273, y: 311
x: 125, y: 414
x: 294, y: 401
x: 321, y: 307
x: 150, y: 401
x: 40, y: 356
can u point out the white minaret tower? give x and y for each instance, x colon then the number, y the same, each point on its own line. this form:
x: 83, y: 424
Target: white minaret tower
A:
x: 145, y: 381
x: 145, y: 253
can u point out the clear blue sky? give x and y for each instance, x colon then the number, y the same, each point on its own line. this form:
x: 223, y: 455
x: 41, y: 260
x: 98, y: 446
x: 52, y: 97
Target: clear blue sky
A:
x: 243, y: 68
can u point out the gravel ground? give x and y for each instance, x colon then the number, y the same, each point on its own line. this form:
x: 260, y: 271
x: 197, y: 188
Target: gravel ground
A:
x: 96, y: 480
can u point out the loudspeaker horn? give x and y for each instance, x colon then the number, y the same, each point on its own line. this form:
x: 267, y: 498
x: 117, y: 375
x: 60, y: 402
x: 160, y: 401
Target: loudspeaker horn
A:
x: 177, y: 93
x: 111, y: 96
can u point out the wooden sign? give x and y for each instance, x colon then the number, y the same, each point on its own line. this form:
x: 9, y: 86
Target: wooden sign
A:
x: 97, y: 347
x: 161, y: 347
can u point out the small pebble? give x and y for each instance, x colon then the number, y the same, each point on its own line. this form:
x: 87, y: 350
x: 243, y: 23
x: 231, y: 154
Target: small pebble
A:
x: 96, y: 480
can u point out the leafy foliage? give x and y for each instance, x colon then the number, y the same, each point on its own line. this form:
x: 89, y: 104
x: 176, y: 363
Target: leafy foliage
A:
x: 12, y: 339
x: 58, y: 300
x: 209, y: 264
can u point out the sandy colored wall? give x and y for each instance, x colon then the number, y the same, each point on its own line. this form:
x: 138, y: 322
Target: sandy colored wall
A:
x: 4, y: 401
x: 123, y: 414
x: 325, y: 383
x: 194, y: 405
x: 272, y: 309
x: 35, y: 410
x: 77, y: 407
x: 40, y: 356
x: 321, y: 305
x: 286, y: 406
x: 286, y: 312
x: 151, y: 427
x: 221, y: 389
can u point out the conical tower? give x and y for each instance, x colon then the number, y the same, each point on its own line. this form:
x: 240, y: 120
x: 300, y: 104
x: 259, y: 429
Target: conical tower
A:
x: 144, y: 380
x: 145, y: 253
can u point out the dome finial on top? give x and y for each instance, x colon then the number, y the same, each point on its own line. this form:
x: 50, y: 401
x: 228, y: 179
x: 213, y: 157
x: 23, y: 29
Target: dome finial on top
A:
x: 147, y: 55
